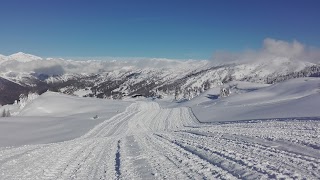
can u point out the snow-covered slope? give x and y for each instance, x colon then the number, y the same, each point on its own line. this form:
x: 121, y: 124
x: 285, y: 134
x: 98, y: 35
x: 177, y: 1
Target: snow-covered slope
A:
x: 296, y: 98
x: 210, y: 95
x: 58, y: 105
x: 55, y: 117
x: 146, y: 141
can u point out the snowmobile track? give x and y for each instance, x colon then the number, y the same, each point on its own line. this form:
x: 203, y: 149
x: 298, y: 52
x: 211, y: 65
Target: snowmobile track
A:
x: 149, y: 142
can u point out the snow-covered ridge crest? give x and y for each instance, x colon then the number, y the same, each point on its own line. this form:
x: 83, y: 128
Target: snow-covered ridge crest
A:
x: 18, y: 57
x: 23, y: 57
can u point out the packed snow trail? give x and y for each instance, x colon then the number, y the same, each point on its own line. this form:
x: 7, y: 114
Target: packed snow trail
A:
x: 148, y: 142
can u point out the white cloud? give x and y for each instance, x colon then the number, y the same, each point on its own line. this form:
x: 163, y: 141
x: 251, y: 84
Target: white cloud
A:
x: 58, y: 66
x: 271, y: 49
x: 283, y: 48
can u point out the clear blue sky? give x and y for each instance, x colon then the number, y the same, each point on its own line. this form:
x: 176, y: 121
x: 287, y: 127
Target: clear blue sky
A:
x: 152, y: 28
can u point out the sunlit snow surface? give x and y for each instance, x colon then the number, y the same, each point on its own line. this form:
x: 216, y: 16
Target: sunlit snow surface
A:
x: 296, y: 98
x: 259, y: 132
x: 54, y: 117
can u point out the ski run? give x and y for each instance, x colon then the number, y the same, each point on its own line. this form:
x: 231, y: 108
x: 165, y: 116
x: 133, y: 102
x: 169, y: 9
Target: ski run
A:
x: 149, y: 142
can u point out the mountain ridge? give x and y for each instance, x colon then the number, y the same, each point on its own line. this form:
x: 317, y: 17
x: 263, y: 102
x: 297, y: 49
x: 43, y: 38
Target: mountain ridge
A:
x: 149, y: 78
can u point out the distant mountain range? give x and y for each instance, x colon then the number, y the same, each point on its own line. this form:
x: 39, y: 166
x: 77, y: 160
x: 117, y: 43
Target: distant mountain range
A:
x: 22, y: 73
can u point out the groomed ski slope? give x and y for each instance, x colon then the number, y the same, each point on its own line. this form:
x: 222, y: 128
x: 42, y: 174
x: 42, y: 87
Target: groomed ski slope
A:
x: 149, y: 142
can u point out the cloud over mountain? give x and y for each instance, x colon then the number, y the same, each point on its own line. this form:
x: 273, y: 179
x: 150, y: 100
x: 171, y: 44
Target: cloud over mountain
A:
x: 272, y: 49
x: 21, y: 62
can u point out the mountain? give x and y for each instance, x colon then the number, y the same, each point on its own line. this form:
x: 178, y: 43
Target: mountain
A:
x: 18, y: 57
x: 10, y: 91
x: 121, y: 78
x: 23, y: 57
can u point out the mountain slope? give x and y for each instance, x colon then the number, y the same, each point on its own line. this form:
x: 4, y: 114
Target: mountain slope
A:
x: 10, y: 91
x: 146, y: 77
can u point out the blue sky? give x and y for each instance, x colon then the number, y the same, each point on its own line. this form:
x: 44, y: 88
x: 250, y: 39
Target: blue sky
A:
x: 180, y: 29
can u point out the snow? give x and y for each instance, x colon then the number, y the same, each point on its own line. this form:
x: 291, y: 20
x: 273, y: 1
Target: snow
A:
x: 164, y: 76
x: 296, y: 98
x: 23, y: 57
x: 149, y: 139
x: 82, y: 92
x: 55, y: 117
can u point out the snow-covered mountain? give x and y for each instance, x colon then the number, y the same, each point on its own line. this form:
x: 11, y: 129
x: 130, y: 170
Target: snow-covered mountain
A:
x: 271, y: 132
x: 146, y: 77
x: 20, y: 57
x: 23, y: 57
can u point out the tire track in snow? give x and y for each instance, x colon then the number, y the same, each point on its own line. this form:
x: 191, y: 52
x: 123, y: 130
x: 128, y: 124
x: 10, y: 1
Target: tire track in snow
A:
x: 135, y: 162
